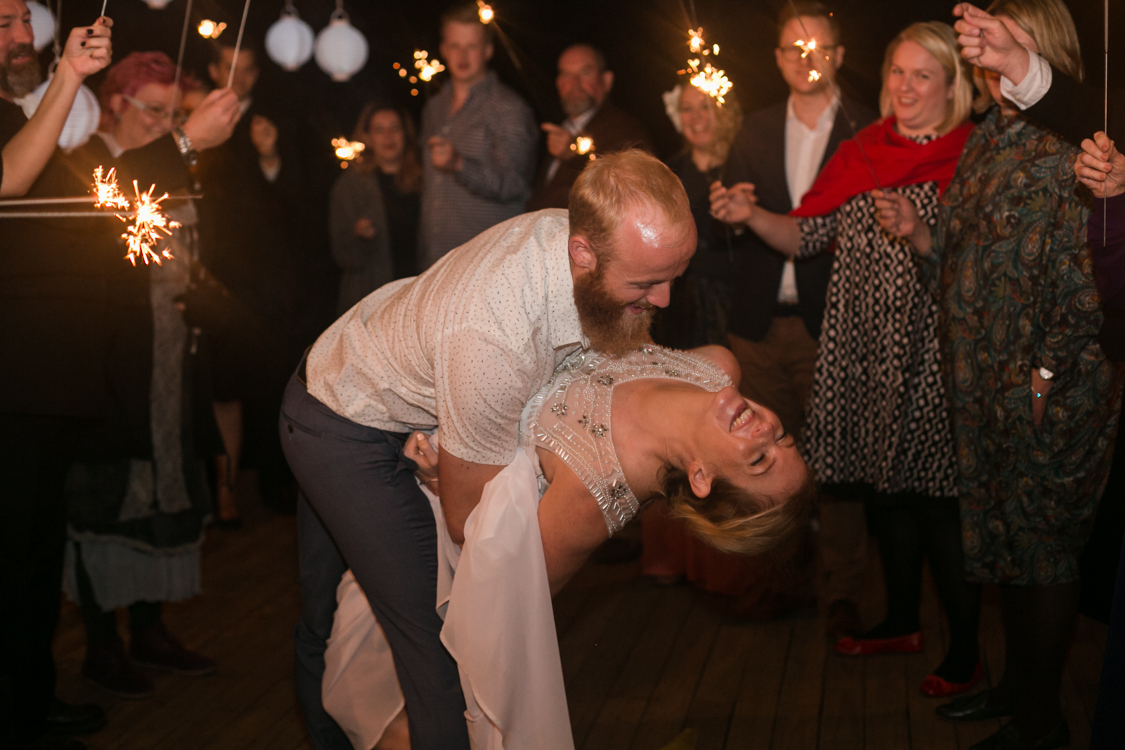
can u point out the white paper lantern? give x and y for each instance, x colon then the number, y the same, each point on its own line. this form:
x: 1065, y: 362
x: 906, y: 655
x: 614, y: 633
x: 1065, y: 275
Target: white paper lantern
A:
x: 289, y: 42
x: 42, y: 25
x: 157, y: 4
x: 341, y: 50
x: 80, y: 124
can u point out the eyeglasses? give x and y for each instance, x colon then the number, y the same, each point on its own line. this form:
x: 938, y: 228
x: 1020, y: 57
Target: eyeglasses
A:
x: 793, y: 53
x: 155, y: 111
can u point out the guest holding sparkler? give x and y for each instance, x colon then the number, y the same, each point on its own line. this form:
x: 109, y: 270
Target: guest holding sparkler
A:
x: 480, y: 141
x: 1034, y: 400
x: 138, y: 490
x: 373, y: 210
x: 584, y: 82
x: 774, y: 323
x: 877, y: 416
x: 52, y: 303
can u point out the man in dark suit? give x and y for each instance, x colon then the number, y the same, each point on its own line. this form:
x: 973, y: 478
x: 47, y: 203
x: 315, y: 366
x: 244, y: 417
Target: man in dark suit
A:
x: 584, y: 84
x: 775, y: 317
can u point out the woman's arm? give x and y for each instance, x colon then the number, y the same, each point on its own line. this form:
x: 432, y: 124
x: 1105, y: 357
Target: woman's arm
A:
x: 570, y: 522
x: 88, y: 50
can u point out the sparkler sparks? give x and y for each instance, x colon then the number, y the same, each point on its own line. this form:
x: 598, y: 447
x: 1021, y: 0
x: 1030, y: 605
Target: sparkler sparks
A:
x: 208, y: 29
x: 695, y: 40
x: 485, y: 12
x: 347, y: 150
x: 144, y: 234
x: 583, y: 145
x: 708, y: 79
x: 807, y: 48
x: 426, y: 68
x: 106, y: 192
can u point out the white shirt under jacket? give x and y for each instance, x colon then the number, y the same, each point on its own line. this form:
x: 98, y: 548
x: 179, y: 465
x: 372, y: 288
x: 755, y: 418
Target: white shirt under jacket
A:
x: 464, y: 345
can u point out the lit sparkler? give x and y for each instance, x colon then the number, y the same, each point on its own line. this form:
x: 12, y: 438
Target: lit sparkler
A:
x: 144, y: 234
x: 485, y: 12
x: 106, y: 193
x: 347, y: 150
x: 709, y: 79
x: 208, y: 29
x: 814, y: 75
x: 426, y: 68
x: 583, y: 145
x: 807, y: 48
x: 695, y: 40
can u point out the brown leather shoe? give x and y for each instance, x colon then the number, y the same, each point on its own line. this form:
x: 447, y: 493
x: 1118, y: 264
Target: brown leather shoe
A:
x: 842, y: 620
x: 156, y: 648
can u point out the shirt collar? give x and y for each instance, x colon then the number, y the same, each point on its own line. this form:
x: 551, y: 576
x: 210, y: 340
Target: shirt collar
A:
x: 576, y: 124
x: 825, y: 121
x: 111, y: 143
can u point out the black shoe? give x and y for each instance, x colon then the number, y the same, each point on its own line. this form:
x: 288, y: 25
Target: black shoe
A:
x: 1008, y: 738
x: 64, y: 718
x: 975, y: 707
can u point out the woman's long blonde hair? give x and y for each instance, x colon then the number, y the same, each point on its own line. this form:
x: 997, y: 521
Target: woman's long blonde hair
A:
x: 939, y: 40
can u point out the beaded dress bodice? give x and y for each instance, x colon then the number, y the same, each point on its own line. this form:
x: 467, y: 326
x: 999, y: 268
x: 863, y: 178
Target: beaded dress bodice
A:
x: 571, y: 416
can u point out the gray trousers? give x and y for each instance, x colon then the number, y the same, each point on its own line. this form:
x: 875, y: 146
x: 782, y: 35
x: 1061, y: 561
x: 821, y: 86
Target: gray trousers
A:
x: 362, y: 509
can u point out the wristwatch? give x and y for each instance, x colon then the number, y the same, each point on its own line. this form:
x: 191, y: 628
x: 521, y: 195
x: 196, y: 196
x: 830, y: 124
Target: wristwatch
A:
x: 187, y: 151
x: 1045, y: 374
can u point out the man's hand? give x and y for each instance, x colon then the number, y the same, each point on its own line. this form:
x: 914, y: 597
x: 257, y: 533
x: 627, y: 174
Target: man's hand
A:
x: 558, y: 140
x: 88, y: 49
x: 733, y: 205
x: 443, y: 155
x: 1101, y: 167
x: 263, y: 134
x: 421, y: 451
x: 1039, y: 390
x: 987, y: 43
x: 213, y: 120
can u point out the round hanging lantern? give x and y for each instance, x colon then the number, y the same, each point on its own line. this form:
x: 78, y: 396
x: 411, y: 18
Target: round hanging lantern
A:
x: 289, y: 42
x: 42, y: 25
x: 157, y: 4
x: 80, y: 124
x: 340, y: 49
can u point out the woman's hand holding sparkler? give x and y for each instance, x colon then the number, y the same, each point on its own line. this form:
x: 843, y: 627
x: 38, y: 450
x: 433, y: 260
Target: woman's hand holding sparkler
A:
x: 733, y: 205
x: 987, y: 43
x: 898, y: 216
x: 213, y: 120
x: 1101, y: 167
x: 88, y: 49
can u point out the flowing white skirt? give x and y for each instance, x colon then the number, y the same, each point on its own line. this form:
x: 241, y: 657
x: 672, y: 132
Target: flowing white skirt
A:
x: 499, y: 626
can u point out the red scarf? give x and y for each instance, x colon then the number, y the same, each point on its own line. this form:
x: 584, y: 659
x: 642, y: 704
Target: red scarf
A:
x: 896, y: 160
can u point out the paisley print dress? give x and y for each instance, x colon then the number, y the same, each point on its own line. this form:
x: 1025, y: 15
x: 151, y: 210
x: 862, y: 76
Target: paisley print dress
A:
x: 1014, y: 283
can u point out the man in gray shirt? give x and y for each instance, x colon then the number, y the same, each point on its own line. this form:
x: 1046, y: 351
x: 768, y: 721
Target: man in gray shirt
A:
x: 480, y: 138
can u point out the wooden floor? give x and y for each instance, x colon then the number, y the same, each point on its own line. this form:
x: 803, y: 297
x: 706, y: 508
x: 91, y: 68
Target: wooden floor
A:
x: 642, y: 664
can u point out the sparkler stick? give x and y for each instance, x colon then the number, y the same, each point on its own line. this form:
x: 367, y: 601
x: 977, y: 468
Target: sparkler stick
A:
x: 60, y: 214
x: 180, y: 56
x: 71, y: 200
x: 237, y: 47
x: 1105, y: 84
x: 103, y: 8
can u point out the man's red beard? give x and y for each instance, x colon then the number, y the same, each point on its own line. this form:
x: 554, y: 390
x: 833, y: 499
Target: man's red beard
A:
x: 605, y: 321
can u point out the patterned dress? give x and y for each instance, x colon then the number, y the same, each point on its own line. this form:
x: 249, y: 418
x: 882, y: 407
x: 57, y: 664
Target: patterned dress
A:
x: 877, y: 411
x: 572, y: 416
x: 1016, y: 290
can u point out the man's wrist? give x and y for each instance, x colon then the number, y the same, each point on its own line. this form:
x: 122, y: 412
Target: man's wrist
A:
x: 185, y: 146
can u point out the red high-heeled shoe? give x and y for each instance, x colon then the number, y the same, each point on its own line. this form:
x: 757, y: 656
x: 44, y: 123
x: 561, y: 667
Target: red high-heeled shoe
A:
x: 903, y: 644
x: 938, y: 687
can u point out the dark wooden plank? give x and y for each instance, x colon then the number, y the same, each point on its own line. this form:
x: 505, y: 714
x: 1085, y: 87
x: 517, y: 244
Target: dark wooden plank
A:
x: 841, y: 721
x: 667, y: 708
x: 621, y: 712
x: 798, y: 709
x: 755, y: 710
x: 711, y: 709
x: 886, y: 721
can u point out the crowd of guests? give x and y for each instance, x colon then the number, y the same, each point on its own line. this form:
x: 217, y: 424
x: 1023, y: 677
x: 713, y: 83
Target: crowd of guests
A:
x: 931, y: 297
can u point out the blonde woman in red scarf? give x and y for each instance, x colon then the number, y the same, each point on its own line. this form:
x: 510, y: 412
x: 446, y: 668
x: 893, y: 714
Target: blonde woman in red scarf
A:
x: 878, y: 423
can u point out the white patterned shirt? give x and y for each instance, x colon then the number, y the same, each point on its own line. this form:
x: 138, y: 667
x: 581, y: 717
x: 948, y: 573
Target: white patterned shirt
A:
x: 464, y: 346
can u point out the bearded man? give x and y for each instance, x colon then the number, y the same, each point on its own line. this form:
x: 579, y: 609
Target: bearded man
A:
x: 462, y: 347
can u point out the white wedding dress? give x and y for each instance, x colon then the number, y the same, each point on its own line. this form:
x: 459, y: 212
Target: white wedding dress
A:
x: 499, y: 623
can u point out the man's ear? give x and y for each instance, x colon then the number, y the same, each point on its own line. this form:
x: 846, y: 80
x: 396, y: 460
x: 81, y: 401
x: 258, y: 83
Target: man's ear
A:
x: 839, y: 57
x: 213, y: 71
x: 607, y: 80
x: 488, y: 50
x: 699, y: 479
x: 581, y: 254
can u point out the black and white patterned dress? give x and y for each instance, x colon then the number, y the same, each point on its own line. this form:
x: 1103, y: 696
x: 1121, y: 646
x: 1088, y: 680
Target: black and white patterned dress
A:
x: 877, y: 412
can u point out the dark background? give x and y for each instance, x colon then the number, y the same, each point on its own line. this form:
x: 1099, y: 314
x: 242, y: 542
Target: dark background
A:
x: 645, y: 41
